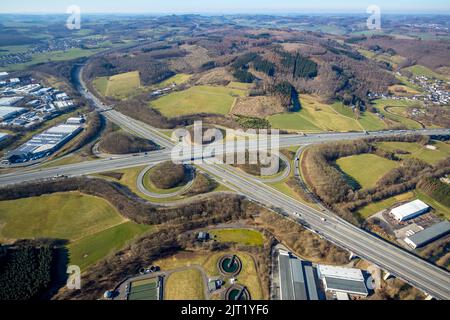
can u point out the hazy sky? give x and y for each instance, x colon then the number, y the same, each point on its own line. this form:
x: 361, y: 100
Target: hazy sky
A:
x: 224, y: 6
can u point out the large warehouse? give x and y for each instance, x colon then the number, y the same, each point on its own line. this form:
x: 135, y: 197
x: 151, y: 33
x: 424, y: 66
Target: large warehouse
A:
x: 10, y: 112
x: 410, y: 210
x: 10, y: 101
x: 3, y: 136
x: 297, y: 278
x: 428, y: 235
x: 340, y: 279
x: 45, y: 143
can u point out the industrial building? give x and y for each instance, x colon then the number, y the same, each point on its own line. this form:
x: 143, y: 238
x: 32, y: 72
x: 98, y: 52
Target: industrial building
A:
x: 44, y: 144
x: 10, y: 112
x: 428, y: 235
x: 10, y: 101
x: 3, y: 136
x: 297, y: 278
x: 75, y: 120
x: 410, y: 210
x: 340, y: 279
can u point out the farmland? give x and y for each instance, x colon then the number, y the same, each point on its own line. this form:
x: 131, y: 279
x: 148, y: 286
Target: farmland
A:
x: 177, y: 79
x: 365, y: 169
x: 419, y: 70
x: 242, y: 236
x: 81, y: 219
x: 198, y: 99
x: 416, y: 150
x: 92, y: 248
x: 119, y: 86
x: 395, y: 116
x: 316, y: 116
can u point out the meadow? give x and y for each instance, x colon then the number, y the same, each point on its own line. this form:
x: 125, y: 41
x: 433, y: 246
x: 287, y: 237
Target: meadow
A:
x: 198, y: 99
x: 365, y: 169
x: 419, y: 70
x: 419, y: 151
x: 120, y: 86
x: 177, y: 79
x: 242, y: 236
x: 92, y: 226
x: 315, y: 116
x: 184, y: 285
x: 397, y: 115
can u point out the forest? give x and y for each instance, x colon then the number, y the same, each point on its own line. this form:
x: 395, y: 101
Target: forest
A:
x: 25, y: 271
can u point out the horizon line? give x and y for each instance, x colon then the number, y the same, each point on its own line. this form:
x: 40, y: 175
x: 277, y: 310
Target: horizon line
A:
x: 269, y: 13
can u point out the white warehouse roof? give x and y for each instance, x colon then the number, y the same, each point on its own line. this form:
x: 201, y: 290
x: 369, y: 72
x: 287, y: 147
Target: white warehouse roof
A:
x: 340, y: 279
x: 6, y: 112
x: 341, y: 273
x: 63, y: 128
x: 9, y: 101
x: 409, y: 210
x: 3, y: 135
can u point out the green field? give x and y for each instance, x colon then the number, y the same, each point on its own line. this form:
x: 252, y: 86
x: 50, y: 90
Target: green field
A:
x: 101, y: 84
x: 396, y: 115
x: 198, y: 99
x: 53, y: 56
x: 243, y: 236
x: 438, y: 208
x: 365, y: 169
x: 119, y: 86
x: 93, y: 227
x: 239, y: 85
x: 144, y: 290
x: 184, y: 285
x: 418, y: 151
x: 92, y: 248
x: 62, y: 215
x: 315, y: 116
x: 179, y: 78
x: 375, y: 207
x: 419, y: 70
x: 292, y: 121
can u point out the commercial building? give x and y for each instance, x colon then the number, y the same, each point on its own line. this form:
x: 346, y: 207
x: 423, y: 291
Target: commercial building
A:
x: 75, y: 120
x: 340, y: 279
x: 297, y: 278
x: 44, y: 144
x: 3, y: 136
x: 410, y: 210
x: 10, y: 101
x: 428, y: 235
x: 10, y: 112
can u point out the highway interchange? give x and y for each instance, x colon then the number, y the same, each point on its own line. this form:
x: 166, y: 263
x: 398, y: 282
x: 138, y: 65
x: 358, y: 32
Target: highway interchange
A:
x: 431, y: 279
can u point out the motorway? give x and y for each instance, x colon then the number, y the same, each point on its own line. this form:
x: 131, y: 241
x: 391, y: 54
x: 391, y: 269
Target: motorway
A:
x: 424, y: 275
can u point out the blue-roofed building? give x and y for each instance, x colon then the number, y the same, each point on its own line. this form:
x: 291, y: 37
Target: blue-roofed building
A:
x: 44, y: 144
x: 297, y: 279
x: 429, y: 235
